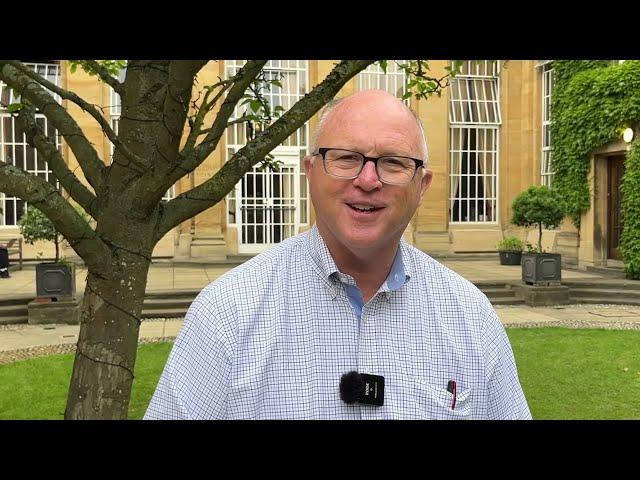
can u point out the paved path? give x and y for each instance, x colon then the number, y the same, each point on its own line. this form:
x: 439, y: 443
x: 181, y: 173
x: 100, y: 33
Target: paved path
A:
x: 25, y: 341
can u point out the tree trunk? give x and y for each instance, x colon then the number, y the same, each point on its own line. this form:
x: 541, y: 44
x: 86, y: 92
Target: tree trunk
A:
x: 107, y: 345
x: 540, y: 237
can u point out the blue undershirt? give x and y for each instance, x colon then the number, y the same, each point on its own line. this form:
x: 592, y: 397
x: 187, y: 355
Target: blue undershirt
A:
x: 394, y: 281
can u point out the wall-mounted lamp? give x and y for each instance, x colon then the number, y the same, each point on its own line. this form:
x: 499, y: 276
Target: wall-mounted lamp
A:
x: 627, y: 135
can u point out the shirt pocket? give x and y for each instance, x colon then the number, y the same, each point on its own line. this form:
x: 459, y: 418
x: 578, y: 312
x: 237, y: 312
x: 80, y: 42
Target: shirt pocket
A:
x: 436, y: 403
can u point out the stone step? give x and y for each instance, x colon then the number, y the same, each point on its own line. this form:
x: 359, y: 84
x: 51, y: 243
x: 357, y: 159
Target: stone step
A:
x: 483, y: 285
x: 13, y: 319
x: 163, y: 303
x: 499, y: 292
x: 165, y: 313
x: 618, y: 285
x: 612, y: 272
x: 9, y: 310
x: 605, y: 300
x: 171, y: 294
x: 603, y: 293
x: 17, y: 300
x: 505, y: 301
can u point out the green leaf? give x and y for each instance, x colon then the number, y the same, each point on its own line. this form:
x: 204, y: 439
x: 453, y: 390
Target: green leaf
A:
x: 383, y: 65
x: 255, y: 105
x: 14, y: 107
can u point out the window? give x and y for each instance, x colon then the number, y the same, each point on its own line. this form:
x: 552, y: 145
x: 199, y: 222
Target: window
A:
x: 546, y: 173
x: 14, y: 148
x: 293, y: 75
x: 394, y: 81
x: 474, y: 118
x: 115, y: 109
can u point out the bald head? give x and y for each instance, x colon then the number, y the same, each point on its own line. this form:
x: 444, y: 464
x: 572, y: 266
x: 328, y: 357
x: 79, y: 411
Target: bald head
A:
x: 368, y: 105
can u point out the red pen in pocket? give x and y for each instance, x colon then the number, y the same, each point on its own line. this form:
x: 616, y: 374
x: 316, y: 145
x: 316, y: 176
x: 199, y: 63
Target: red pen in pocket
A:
x: 451, y: 388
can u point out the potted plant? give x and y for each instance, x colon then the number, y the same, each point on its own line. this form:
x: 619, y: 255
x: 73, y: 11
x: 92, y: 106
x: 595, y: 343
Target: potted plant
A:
x: 510, y: 250
x: 53, y: 279
x: 542, y: 207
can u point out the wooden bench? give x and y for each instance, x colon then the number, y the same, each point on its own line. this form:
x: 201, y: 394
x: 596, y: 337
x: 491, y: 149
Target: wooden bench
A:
x: 14, y: 248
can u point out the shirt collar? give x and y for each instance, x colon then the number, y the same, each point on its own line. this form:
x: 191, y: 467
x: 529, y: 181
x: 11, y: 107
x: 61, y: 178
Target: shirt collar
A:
x: 320, y: 254
x: 399, y: 274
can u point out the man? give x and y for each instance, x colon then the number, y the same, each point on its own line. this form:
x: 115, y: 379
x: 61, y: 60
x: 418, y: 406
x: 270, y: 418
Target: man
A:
x: 272, y: 338
x: 4, y: 258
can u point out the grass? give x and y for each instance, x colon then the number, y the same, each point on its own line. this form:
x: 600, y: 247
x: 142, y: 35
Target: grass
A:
x: 579, y: 374
x: 565, y: 374
x: 149, y: 366
x: 37, y: 388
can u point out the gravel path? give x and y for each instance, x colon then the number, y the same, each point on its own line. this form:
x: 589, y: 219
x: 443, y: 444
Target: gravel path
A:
x: 34, y: 352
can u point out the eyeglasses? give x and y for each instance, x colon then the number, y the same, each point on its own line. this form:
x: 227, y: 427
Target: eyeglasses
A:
x: 345, y: 164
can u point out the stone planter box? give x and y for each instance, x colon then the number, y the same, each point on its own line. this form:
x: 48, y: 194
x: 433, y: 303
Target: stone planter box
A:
x: 541, y: 268
x: 510, y: 258
x: 55, y: 280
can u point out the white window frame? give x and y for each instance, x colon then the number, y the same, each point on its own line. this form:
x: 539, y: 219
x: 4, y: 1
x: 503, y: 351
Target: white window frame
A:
x: 51, y: 72
x: 393, y: 81
x: 546, y: 172
x: 236, y: 134
x: 474, y: 121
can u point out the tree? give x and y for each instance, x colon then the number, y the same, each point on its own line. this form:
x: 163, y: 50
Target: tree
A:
x: 541, y: 206
x: 162, y: 104
x: 35, y: 225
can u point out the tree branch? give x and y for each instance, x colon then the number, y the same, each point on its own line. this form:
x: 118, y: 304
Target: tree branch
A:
x: 47, y: 149
x: 176, y: 104
x: 104, y: 74
x: 87, y: 157
x: 233, y: 122
x: 242, y: 81
x: 190, y: 158
x: 64, y: 217
x: 213, y: 190
x: 205, y: 108
x: 87, y: 107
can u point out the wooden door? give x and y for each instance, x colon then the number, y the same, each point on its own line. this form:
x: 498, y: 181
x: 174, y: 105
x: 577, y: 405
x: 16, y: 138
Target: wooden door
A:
x: 614, y: 207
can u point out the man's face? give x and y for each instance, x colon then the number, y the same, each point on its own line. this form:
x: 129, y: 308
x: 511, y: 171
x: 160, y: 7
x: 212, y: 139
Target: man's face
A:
x: 373, y: 125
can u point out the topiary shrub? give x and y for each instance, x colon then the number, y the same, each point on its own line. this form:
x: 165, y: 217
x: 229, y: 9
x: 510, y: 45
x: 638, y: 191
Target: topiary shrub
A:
x: 541, y: 206
x: 35, y: 225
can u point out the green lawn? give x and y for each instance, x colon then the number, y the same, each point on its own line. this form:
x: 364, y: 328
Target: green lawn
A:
x: 565, y: 373
x: 37, y: 388
x: 579, y: 374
